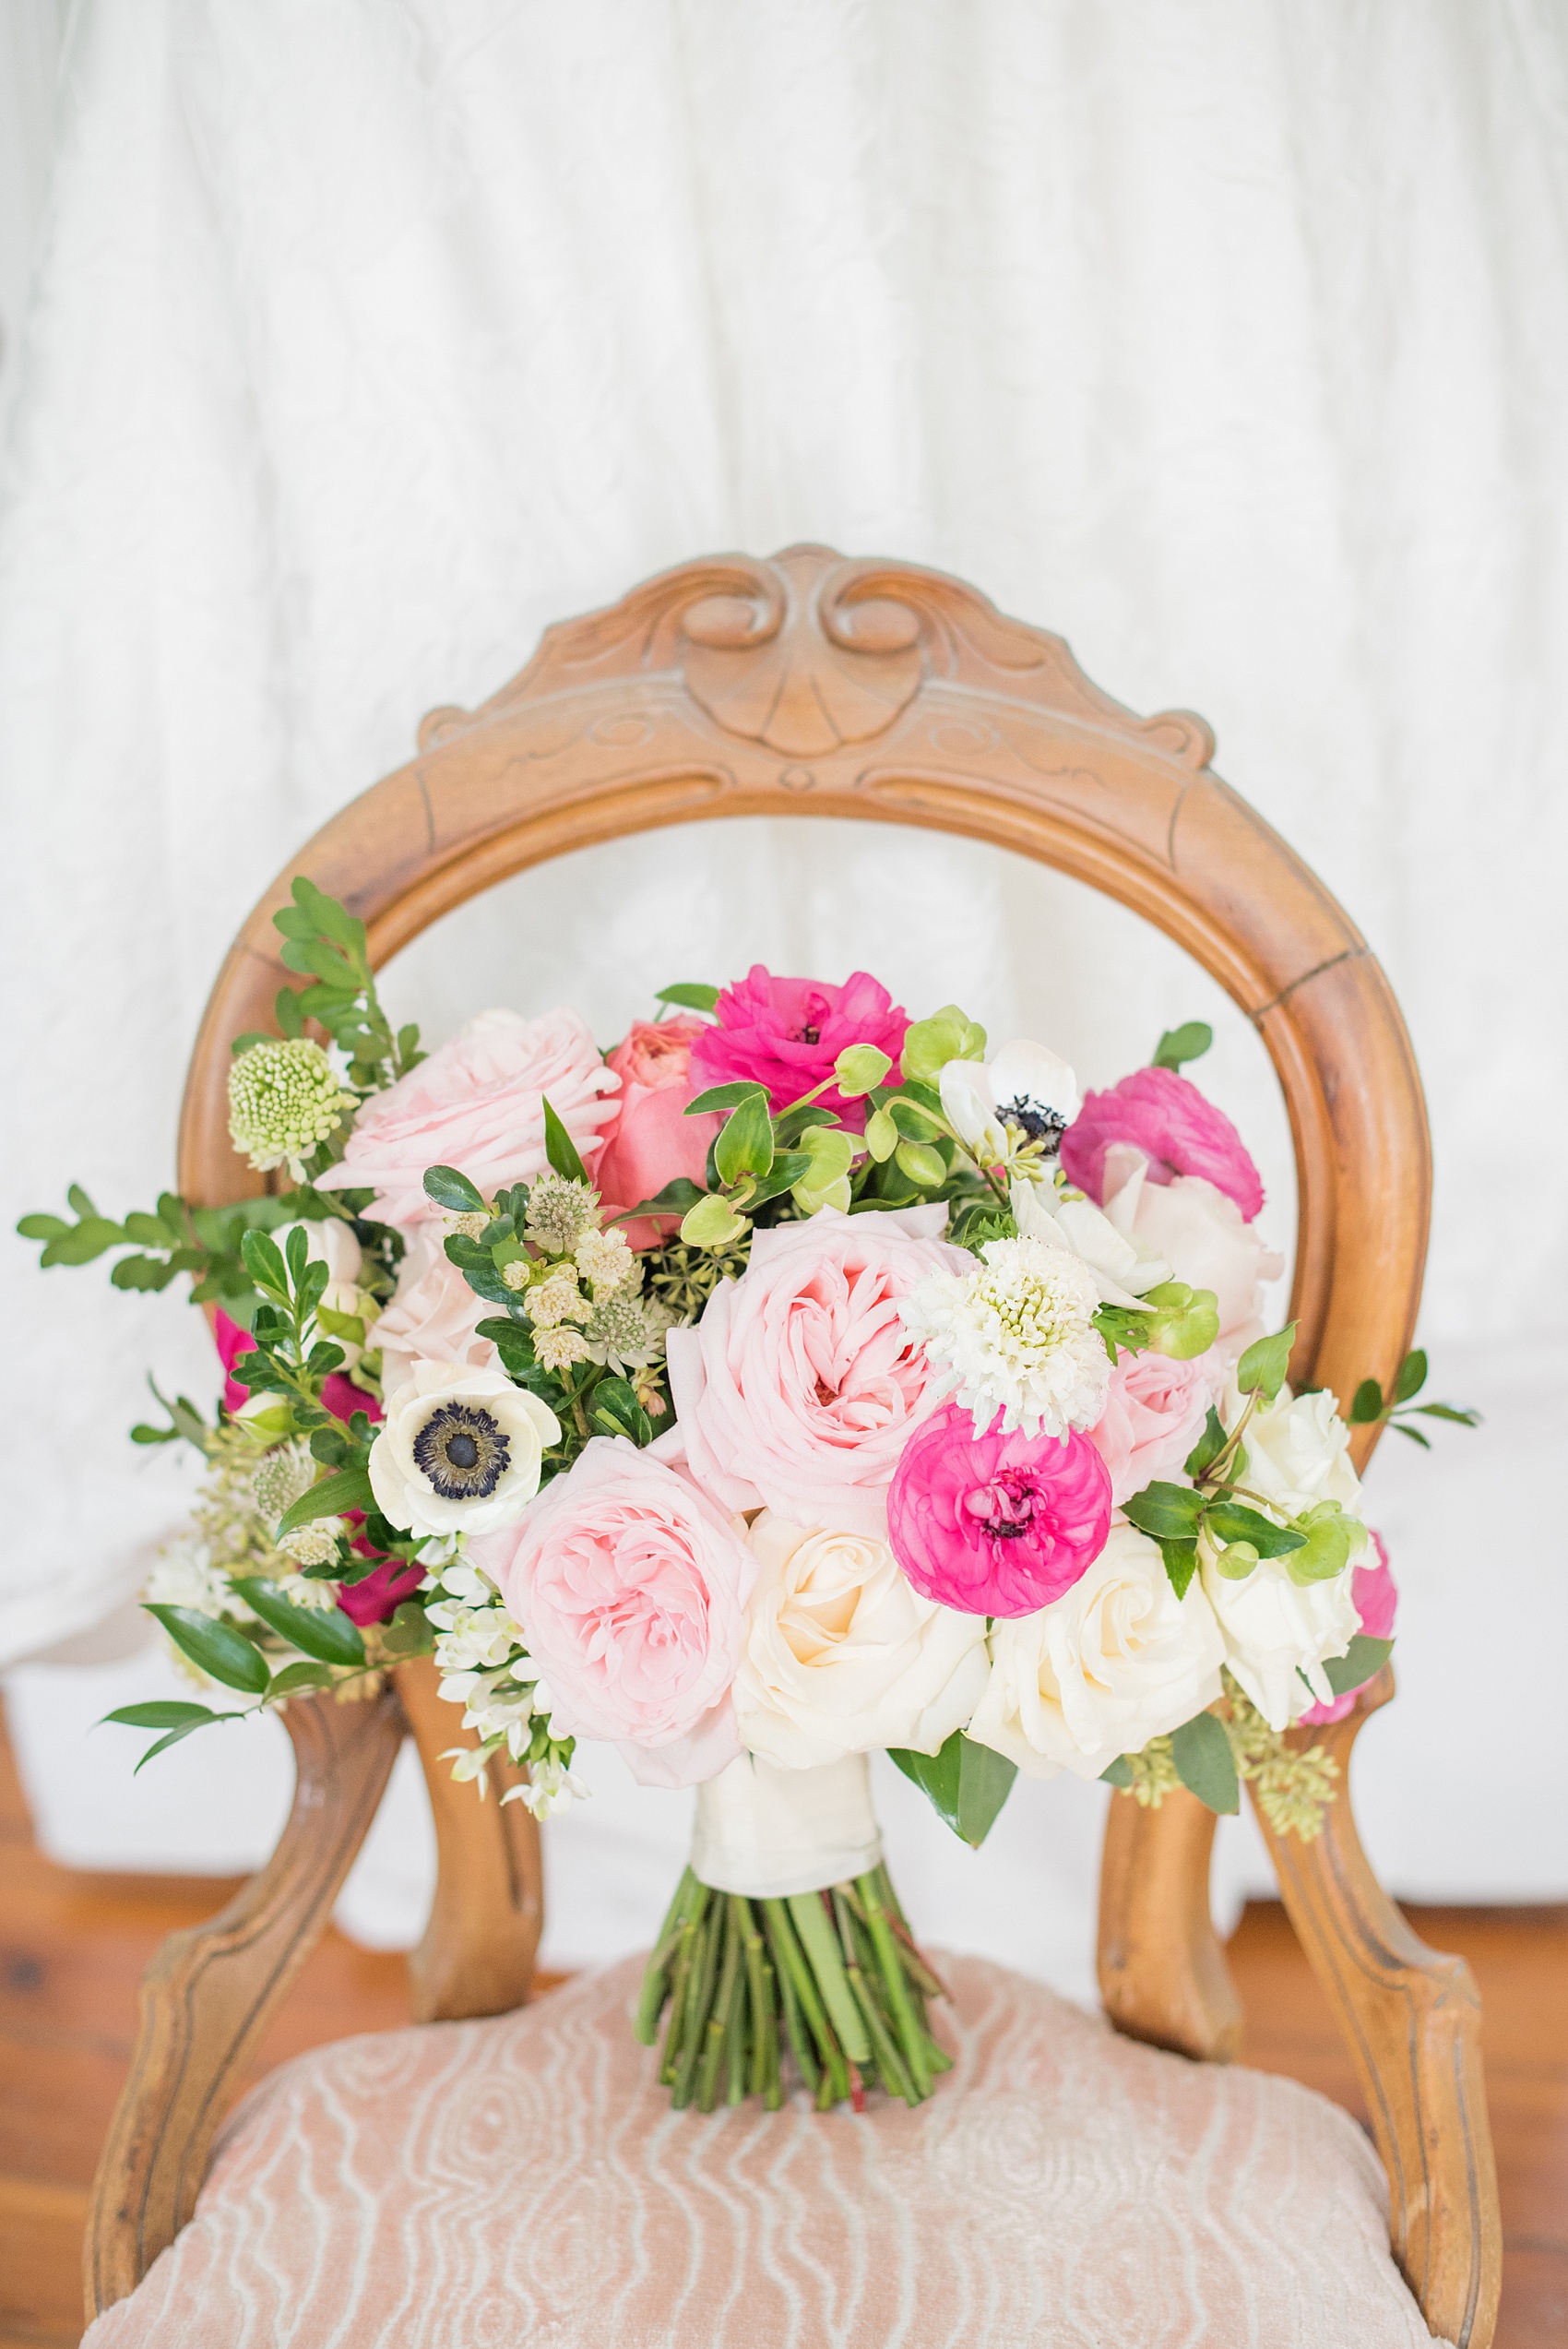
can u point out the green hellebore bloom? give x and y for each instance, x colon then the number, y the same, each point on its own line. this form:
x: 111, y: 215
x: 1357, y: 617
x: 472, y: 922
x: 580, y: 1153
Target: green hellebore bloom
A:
x: 1236, y: 1560
x: 948, y: 1034
x: 1333, y: 1538
x: 712, y: 1223
x: 858, y: 1068
x: 1183, y: 1322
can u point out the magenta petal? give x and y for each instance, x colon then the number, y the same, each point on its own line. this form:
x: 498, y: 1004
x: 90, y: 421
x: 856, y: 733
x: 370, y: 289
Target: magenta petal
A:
x: 377, y: 1598
x: 996, y: 1524
x: 1177, y: 1129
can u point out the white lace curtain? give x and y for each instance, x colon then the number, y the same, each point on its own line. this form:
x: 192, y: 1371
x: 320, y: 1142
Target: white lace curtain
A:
x: 365, y: 340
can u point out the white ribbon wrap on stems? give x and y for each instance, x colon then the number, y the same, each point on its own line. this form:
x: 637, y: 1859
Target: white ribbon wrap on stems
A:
x: 766, y: 1833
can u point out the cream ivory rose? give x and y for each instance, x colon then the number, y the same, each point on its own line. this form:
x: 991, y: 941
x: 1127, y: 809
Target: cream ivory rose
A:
x: 840, y: 1655
x: 1200, y: 1235
x: 478, y: 1105
x: 1275, y: 1631
x: 1297, y: 1451
x: 1117, y: 1659
x: 798, y: 1386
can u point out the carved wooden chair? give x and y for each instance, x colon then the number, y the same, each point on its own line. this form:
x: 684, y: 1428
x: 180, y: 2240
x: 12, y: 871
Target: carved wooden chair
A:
x: 818, y: 685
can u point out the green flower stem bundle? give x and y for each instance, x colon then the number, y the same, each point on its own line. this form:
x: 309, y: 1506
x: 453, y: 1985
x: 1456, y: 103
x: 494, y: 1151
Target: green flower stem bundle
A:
x: 828, y: 1984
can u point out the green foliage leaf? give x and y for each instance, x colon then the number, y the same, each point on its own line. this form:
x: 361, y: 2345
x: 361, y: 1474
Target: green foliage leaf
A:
x: 615, y: 1411
x: 84, y: 1241
x: 690, y: 995
x: 224, y: 1654
x: 41, y: 1227
x: 263, y: 1260
x: 561, y: 1150
x: 451, y: 1189
x: 1209, y: 1446
x: 164, y: 1712
x: 173, y: 1737
x: 1168, y: 1513
x: 298, y: 1679
x: 348, y: 1489
x: 1205, y: 1763
x: 409, y: 1632
x: 1234, y: 1522
x: 1187, y: 1042
x: 1262, y: 1367
x: 1464, y: 1415
x: 1181, y: 1563
x: 1366, y: 1403
x: 1401, y: 1428
x: 1117, y: 1774
x: 1412, y: 1376
x: 965, y: 1783
x: 1362, y: 1660
x: 324, y: 1634
x: 673, y: 1200
x: 724, y: 1097
x: 150, y: 1273
x: 744, y: 1144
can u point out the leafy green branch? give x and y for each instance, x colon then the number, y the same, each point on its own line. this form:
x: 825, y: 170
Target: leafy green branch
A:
x: 327, y: 943
x: 1370, y: 1408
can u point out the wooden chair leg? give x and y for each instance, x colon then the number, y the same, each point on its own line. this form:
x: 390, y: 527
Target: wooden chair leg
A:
x: 210, y: 1993
x: 1411, y: 2020
x: 477, y: 1952
x: 1162, y: 1971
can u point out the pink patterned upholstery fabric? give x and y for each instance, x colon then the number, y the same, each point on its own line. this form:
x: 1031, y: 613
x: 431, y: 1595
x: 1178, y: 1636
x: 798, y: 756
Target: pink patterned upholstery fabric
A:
x: 522, y: 2183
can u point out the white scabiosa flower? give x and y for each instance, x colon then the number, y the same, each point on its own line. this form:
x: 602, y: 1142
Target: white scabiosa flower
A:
x: 1017, y: 1336
x: 460, y: 1452
x: 284, y: 1098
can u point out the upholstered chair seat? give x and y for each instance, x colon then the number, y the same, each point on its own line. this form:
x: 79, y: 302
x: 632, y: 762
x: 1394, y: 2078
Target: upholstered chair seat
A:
x: 524, y: 2181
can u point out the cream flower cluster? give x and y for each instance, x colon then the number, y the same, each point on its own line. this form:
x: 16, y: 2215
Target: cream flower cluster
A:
x: 1017, y: 1337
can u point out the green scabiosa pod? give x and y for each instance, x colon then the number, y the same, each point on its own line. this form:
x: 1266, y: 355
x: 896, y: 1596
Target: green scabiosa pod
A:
x: 284, y: 1098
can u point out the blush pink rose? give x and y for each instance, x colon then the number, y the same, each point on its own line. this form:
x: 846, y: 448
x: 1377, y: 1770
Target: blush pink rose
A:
x: 996, y: 1524
x: 432, y: 1318
x: 1377, y: 1599
x: 787, y: 1035
x: 1202, y: 1236
x: 1154, y: 1413
x: 1179, y: 1130
x: 478, y: 1105
x: 800, y: 1384
x: 652, y: 1142
x: 631, y: 1591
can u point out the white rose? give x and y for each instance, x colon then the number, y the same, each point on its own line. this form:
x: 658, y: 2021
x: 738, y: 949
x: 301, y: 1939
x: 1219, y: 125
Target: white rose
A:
x: 1124, y: 1269
x: 1115, y: 1661
x: 1275, y: 1631
x: 1297, y: 1452
x: 840, y: 1654
x: 432, y: 1316
x: 460, y: 1452
x: 1200, y: 1235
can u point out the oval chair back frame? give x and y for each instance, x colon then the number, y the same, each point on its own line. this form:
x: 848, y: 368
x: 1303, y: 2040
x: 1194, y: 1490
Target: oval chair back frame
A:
x: 814, y: 684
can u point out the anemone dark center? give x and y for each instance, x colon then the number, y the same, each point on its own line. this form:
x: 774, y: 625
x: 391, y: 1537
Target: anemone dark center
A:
x: 1005, y: 1508
x: 1035, y: 1119
x: 462, y: 1451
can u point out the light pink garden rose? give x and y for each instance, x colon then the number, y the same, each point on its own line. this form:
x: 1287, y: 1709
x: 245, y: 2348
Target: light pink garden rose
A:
x: 652, y: 1140
x: 1200, y: 1235
x: 996, y: 1524
x: 1154, y: 1413
x: 1376, y: 1598
x: 631, y: 1591
x: 478, y: 1105
x: 434, y: 1316
x: 787, y: 1035
x: 1178, y: 1129
x: 800, y: 1384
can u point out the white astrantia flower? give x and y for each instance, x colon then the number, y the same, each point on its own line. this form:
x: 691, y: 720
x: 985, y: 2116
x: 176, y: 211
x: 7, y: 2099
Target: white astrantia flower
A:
x: 1013, y: 1110
x: 1117, y: 1659
x: 184, y: 1576
x: 460, y: 1452
x: 1017, y: 1336
x: 1279, y: 1634
x: 1124, y: 1269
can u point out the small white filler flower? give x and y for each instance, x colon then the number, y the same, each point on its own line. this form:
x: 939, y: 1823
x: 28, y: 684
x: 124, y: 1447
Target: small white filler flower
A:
x: 1017, y: 1336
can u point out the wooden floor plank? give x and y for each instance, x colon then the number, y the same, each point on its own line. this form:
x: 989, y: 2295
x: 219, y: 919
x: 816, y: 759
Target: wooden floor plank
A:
x: 73, y: 1947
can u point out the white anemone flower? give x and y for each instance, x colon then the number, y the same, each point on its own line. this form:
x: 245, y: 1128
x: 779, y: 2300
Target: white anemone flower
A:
x: 1013, y: 1110
x: 1017, y: 1336
x: 1124, y: 1269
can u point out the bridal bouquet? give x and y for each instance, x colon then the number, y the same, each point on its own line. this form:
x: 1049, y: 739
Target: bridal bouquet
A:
x: 794, y: 1380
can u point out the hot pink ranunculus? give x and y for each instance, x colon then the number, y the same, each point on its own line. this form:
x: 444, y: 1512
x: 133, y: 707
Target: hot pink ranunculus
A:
x: 631, y: 1591
x: 800, y: 1384
x: 652, y: 1140
x: 1177, y: 1129
x: 478, y: 1105
x: 787, y: 1034
x: 1154, y: 1413
x: 1376, y: 1597
x: 996, y: 1524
